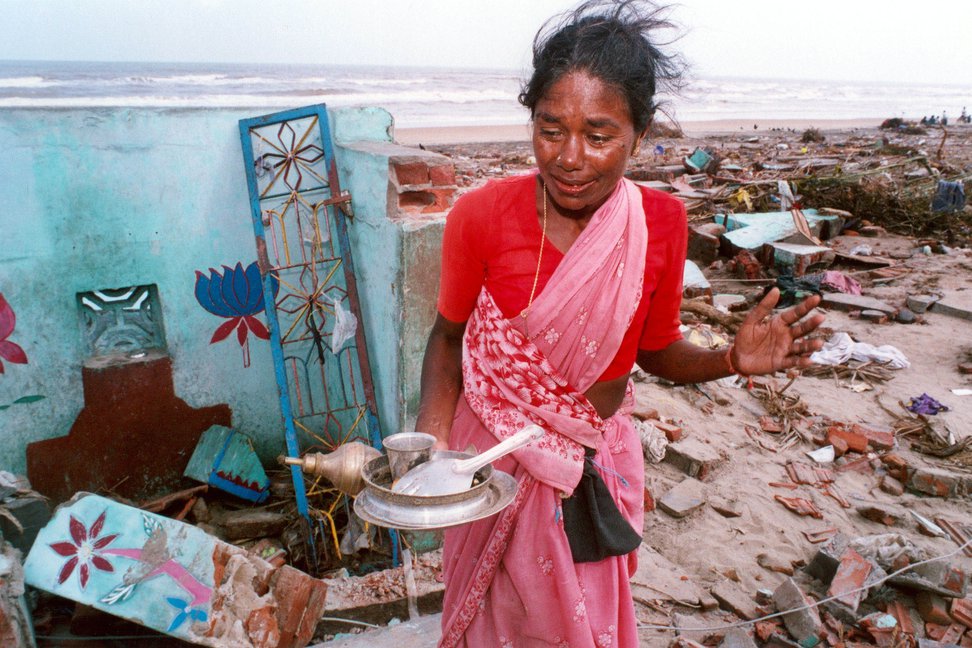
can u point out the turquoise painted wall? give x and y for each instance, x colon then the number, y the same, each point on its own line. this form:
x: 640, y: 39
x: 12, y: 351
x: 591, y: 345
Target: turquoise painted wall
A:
x: 106, y: 198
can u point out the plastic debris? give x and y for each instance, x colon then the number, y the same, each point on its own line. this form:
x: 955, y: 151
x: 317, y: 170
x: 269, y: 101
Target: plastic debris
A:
x: 345, y: 325
x: 841, y: 347
x: 925, y: 404
x: 950, y: 196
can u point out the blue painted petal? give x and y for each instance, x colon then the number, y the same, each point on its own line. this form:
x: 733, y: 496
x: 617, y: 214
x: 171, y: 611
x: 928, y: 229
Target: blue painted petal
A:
x: 202, y: 289
x: 216, y: 295
x: 198, y: 615
x: 254, y: 302
x: 241, y: 289
x: 228, y: 293
x: 177, y: 621
x: 177, y: 603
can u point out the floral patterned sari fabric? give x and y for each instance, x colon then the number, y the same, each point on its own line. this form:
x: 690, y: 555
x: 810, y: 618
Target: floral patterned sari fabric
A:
x: 510, y: 579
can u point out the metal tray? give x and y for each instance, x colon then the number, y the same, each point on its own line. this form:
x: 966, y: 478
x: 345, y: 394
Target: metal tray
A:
x: 495, y: 495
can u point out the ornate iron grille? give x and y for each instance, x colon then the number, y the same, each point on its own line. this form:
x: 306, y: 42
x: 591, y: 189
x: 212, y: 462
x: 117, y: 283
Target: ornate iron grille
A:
x: 300, y: 221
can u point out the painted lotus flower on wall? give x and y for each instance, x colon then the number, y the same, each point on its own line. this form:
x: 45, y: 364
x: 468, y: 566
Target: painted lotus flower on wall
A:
x: 237, y: 295
x: 9, y: 351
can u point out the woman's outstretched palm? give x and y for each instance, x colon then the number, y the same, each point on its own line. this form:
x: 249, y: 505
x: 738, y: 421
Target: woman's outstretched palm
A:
x: 766, y: 343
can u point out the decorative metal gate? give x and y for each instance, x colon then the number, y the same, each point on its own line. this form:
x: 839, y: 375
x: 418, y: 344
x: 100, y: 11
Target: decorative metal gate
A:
x: 300, y: 221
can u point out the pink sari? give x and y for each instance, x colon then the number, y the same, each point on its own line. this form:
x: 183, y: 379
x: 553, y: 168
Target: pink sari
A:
x: 510, y: 579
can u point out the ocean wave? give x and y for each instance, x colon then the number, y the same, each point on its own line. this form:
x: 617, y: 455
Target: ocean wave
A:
x: 24, y: 82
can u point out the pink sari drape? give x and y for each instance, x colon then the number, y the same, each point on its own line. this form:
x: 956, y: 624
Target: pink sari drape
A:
x: 510, y: 579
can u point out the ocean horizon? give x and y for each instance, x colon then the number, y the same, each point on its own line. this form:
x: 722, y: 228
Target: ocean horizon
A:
x: 439, y: 96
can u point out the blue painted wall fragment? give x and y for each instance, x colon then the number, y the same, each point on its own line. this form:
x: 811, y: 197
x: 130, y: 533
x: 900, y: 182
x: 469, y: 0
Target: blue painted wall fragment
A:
x: 130, y: 563
x: 752, y: 231
x: 225, y: 458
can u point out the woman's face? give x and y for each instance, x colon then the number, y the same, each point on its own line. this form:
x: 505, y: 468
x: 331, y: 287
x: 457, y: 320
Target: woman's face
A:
x: 582, y: 138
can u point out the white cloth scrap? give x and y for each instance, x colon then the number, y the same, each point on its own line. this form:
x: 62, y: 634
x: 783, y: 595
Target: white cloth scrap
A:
x: 841, y: 347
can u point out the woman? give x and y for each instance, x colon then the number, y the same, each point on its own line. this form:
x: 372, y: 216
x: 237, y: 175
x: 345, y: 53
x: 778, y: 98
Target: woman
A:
x: 553, y: 285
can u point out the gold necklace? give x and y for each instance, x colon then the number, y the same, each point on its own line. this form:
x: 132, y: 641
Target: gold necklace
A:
x: 536, y: 277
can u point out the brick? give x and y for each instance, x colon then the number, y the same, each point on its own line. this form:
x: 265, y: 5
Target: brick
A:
x: 891, y: 486
x: 686, y: 497
x: 412, y: 173
x: 442, y: 175
x: 840, y: 446
x: 882, y: 513
x: 825, y: 562
x: 672, y: 432
x: 702, y: 247
x: 965, y: 368
x: 933, y: 608
x: 693, y: 457
x: 903, y: 616
x: 798, y: 260
x: 882, y: 627
x: 877, y: 438
x: 804, y: 624
x: 847, y: 585
x: 961, y: 611
x: 734, y: 600
x: 934, y: 481
x: 774, y: 562
x: 855, y: 440
x: 935, y: 631
x: 953, y: 634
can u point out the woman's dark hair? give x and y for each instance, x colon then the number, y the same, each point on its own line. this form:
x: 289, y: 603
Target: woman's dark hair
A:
x: 612, y: 41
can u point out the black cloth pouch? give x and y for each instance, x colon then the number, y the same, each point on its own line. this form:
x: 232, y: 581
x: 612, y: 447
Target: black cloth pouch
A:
x: 594, y: 526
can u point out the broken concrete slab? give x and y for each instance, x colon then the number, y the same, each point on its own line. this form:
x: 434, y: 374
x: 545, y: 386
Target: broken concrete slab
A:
x: 657, y: 577
x: 920, y: 303
x: 171, y: 577
x: 733, y: 599
x: 752, y: 231
x: 955, y: 305
x: 847, y: 302
x: 801, y: 621
x: 225, y: 458
x: 797, y: 260
x: 936, y: 577
x: 737, y: 638
x: 693, y: 457
x: 380, y: 597
x: 423, y: 632
x: 687, y: 496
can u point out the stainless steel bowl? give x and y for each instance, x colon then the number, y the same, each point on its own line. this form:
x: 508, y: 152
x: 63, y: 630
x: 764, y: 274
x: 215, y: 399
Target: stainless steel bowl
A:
x: 377, y: 476
x: 380, y: 505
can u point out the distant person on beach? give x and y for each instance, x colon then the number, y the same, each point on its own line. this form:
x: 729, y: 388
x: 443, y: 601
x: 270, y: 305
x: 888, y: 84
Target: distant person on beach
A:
x: 553, y: 285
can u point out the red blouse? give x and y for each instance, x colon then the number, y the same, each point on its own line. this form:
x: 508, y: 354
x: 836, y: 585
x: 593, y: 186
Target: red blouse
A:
x: 492, y: 238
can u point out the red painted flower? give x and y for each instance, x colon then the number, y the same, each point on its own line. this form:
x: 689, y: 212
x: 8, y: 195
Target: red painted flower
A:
x: 84, y: 550
x: 8, y: 350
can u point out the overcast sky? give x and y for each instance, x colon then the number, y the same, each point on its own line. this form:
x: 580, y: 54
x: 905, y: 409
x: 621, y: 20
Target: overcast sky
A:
x: 884, y: 40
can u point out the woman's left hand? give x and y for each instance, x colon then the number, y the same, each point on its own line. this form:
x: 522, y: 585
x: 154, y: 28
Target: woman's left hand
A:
x: 766, y: 343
